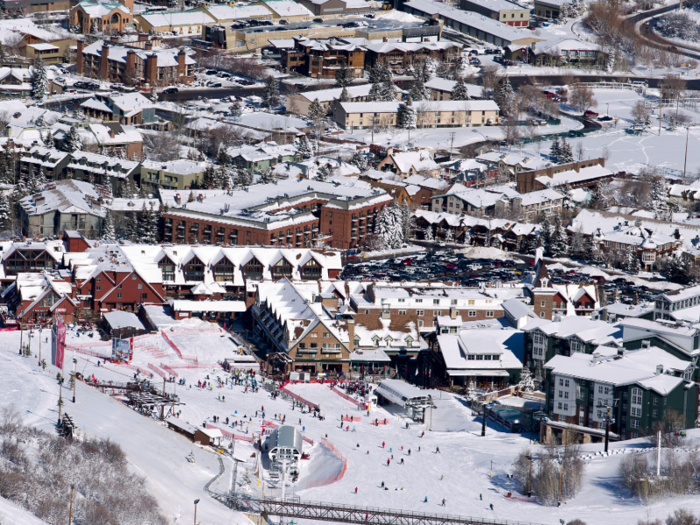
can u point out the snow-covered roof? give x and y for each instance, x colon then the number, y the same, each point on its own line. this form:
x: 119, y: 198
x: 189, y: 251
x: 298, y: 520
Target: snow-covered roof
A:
x: 93, y: 103
x: 444, y: 84
x: 182, y: 305
x: 469, y: 349
x: 181, y: 18
x: 388, y: 47
x: 514, y: 159
x: 100, y: 10
x: 117, y: 53
x: 574, y: 177
x: 330, y: 95
x: 607, y: 365
x: 68, y: 196
x: 284, y: 8
x: 471, y: 19
x: 419, y: 160
x: 400, y: 392
x: 429, y: 105
x: 566, y: 44
x: 179, y: 166
x: 239, y: 12
x: 118, y: 319
x: 498, y: 5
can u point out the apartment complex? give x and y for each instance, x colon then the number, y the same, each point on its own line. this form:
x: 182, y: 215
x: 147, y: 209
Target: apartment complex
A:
x: 430, y: 114
x: 398, y: 56
x: 133, y: 65
x: 504, y: 11
x: 321, y: 59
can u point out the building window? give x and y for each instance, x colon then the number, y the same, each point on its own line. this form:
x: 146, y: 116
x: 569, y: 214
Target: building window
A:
x: 402, y: 312
x: 119, y: 296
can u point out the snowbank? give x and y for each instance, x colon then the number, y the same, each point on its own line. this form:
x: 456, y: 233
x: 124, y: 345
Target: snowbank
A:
x: 482, y: 252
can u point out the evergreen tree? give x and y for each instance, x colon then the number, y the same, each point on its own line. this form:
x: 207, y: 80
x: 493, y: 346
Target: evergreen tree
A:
x: 208, y: 177
x: 429, y: 68
x: 317, y: 113
x: 40, y: 80
x: 93, y: 27
x: 505, y: 98
x: 375, y: 93
x: 566, y: 155
x: 360, y: 161
x: 344, y: 95
x: 406, y: 118
x: 48, y: 140
x: 418, y: 90
x: 591, y: 253
x: 37, y: 182
x: 5, y: 212
x: 531, y: 245
x: 323, y: 174
x: 7, y: 167
x: 460, y: 90
x: 388, y: 227
x: 236, y: 110
x: 343, y: 76
x: 658, y: 196
x: 305, y: 148
x: 467, y: 237
x: 132, y: 227
x: 428, y: 233
x: 72, y: 141
x: 527, y: 384
x: 546, y: 233
x: 555, y: 150
x: 108, y: 233
x: 378, y: 73
x: 387, y: 90
x: 153, y: 96
x: 558, y: 244
x: 632, y: 263
x: 271, y: 93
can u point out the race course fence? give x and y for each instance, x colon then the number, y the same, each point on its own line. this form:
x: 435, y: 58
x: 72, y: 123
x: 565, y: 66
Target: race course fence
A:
x: 332, y: 479
x: 347, y: 397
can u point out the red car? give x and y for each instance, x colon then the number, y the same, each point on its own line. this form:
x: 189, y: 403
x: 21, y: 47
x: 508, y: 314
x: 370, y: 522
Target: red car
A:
x: 590, y: 113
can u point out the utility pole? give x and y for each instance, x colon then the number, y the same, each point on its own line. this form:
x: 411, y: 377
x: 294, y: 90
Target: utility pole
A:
x: 658, y: 454
x: 561, y: 468
x: 21, y: 332
x: 195, y: 511
x: 40, y: 329
x: 483, y: 422
x: 661, y: 103
x: 75, y: 374
x: 452, y: 141
x: 60, y: 398
x: 529, y: 481
x: 431, y: 412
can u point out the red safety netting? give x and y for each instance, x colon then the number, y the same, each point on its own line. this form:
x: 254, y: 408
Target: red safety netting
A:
x: 299, y: 398
x: 352, y: 418
x: 170, y: 370
x: 156, y: 370
x: 347, y: 397
x: 231, y: 435
x: 87, y: 352
x: 332, y: 479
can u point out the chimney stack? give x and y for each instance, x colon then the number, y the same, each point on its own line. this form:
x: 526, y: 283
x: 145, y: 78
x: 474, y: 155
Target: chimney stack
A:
x: 104, y: 62
x: 79, y: 57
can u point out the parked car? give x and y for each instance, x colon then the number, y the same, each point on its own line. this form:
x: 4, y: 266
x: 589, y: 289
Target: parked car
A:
x: 170, y: 90
x: 318, y: 20
x: 605, y: 118
x: 590, y: 113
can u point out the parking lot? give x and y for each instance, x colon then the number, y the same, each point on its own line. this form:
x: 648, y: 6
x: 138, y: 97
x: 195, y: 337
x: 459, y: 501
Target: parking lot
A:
x: 456, y: 267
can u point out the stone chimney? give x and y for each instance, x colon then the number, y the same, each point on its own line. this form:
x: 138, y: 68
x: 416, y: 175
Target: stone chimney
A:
x: 148, y: 46
x: 351, y: 334
x: 79, y: 57
x: 152, y: 69
x: 114, y: 39
x: 131, y: 65
x: 143, y: 37
x: 104, y: 62
x: 181, y: 70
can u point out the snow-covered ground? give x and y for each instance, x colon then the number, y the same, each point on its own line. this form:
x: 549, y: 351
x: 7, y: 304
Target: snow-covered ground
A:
x: 459, y: 472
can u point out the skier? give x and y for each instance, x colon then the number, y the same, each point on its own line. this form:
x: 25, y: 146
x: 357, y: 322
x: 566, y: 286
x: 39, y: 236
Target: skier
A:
x: 409, y: 451
x: 382, y: 444
x: 480, y: 497
x: 425, y: 500
x: 355, y: 490
x: 491, y: 505
x: 443, y: 502
x: 382, y: 484
x: 387, y: 462
x: 437, y: 450
x: 402, y: 461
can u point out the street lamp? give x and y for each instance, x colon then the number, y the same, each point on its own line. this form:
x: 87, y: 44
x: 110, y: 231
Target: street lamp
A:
x: 70, y: 510
x: 685, y: 162
x: 195, y: 511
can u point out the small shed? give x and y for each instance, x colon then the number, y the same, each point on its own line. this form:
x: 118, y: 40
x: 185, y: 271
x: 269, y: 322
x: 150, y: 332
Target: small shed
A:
x: 123, y: 325
x: 191, y: 432
x: 284, y: 450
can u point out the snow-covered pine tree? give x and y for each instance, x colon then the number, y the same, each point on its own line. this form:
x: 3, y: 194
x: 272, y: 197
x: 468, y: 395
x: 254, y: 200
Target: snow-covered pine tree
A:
x: 72, y: 142
x: 344, y: 95
x: 527, y: 384
x: 108, y: 233
x: 388, y: 226
x: 531, y: 244
x: 37, y: 182
x: 460, y: 91
x: 567, y: 155
x: 153, y: 96
x: 305, y: 148
x: 408, y: 221
x: 5, y: 212
x: 407, y: 118
x: 418, y: 90
x: 7, y: 171
x: 658, y: 196
x: 546, y: 233
x: 467, y: 237
x: 40, y: 80
x: 591, y: 253
x: 360, y: 161
x: 428, y: 233
x: 375, y: 93
x: 236, y: 110
x: 93, y: 27
x: 48, y: 140
x: 132, y: 226
x: 429, y: 67
x: 323, y: 174
x: 558, y: 245
x: 555, y: 150
x: 343, y: 76
x: 632, y: 263
x: 317, y: 113
x: 387, y: 90
x: 449, y: 235
x: 271, y: 92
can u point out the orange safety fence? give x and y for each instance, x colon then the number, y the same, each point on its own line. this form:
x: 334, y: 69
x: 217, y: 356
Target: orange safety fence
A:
x: 174, y: 347
x: 378, y: 422
x: 156, y: 370
x: 170, y: 370
x: 87, y: 352
x: 347, y: 397
x: 299, y: 398
x: 352, y: 418
x: 195, y: 365
x: 332, y: 479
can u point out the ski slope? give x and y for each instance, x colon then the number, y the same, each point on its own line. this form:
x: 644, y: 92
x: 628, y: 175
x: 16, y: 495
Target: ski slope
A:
x: 460, y: 472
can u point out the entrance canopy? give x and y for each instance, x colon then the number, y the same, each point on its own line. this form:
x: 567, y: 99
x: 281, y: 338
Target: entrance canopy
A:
x: 403, y: 394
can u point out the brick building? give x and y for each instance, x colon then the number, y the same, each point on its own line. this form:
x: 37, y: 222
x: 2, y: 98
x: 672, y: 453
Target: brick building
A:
x: 134, y: 65
x: 108, y: 18
x: 322, y: 58
x: 291, y: 213
x: 582, y: 174
x: 34, y: 298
